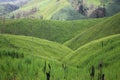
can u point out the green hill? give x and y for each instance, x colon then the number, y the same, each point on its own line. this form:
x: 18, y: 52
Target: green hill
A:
x: 63, y: 9
x: 68, y: 13
x: 33, y: 46
x: 48, y: 9
x: 59, y: 31
x: 42, y: 8
x: 105, y: 50
x: 23, y: 58
x: 102, y: 29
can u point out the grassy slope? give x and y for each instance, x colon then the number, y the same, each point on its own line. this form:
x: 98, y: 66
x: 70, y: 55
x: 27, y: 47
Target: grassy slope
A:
x: 23, y: 58
x: 47, y: 29
x: 31, y: 66
x: 93, y: 53
x: 104, y: 28
x: 46, y: 7
x: 49, y: 8
x: 33, y: 46
x: 68, y: 13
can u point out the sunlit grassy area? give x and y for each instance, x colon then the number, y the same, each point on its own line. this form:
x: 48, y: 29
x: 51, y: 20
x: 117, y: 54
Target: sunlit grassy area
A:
x: 102, y: 29
x: 30, y: 48
x: 34, y: 46
x: 58, y: 31
x: 105, y: 50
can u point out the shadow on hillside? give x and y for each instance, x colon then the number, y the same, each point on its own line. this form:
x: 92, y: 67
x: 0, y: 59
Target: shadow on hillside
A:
x: 98, y: 13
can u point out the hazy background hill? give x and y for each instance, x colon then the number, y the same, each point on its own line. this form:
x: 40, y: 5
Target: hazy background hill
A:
x: 62, y: 9
x: 7, y: 0
x: 7, y: 6
x: 12, y: 1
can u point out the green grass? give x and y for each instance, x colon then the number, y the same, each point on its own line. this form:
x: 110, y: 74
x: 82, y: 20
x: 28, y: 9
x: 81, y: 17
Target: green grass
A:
x: 105, y: 49
x: 58, y: 31
x: 68, y: 13
x: 34, y: 46
x: 46, y: 7
x: 104, y: 28
x: 23, y: 57
x: 31, y: 65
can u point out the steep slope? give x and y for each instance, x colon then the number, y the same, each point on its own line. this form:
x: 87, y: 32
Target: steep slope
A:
x: 43, y: 9
x: 105, y: 50
x: 81, y: 9
x: 68, y: 13
x: 62, y: 9
x: 96, y: 8
x: 59, y: 31
x: 102, y: 29
x: 33, y: 46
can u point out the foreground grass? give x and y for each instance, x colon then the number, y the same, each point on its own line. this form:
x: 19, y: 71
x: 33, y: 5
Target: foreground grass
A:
x: 34, y: 46
x: 105, y: 50
x: 22, y: 58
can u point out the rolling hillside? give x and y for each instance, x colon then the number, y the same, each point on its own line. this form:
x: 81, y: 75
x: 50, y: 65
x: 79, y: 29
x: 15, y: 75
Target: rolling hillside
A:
x: 33, y: 46
x: 58, y: 31
x: 105, y: 50
x: 36, y: 49
x: 102, y: 29
x: 24, y: 58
